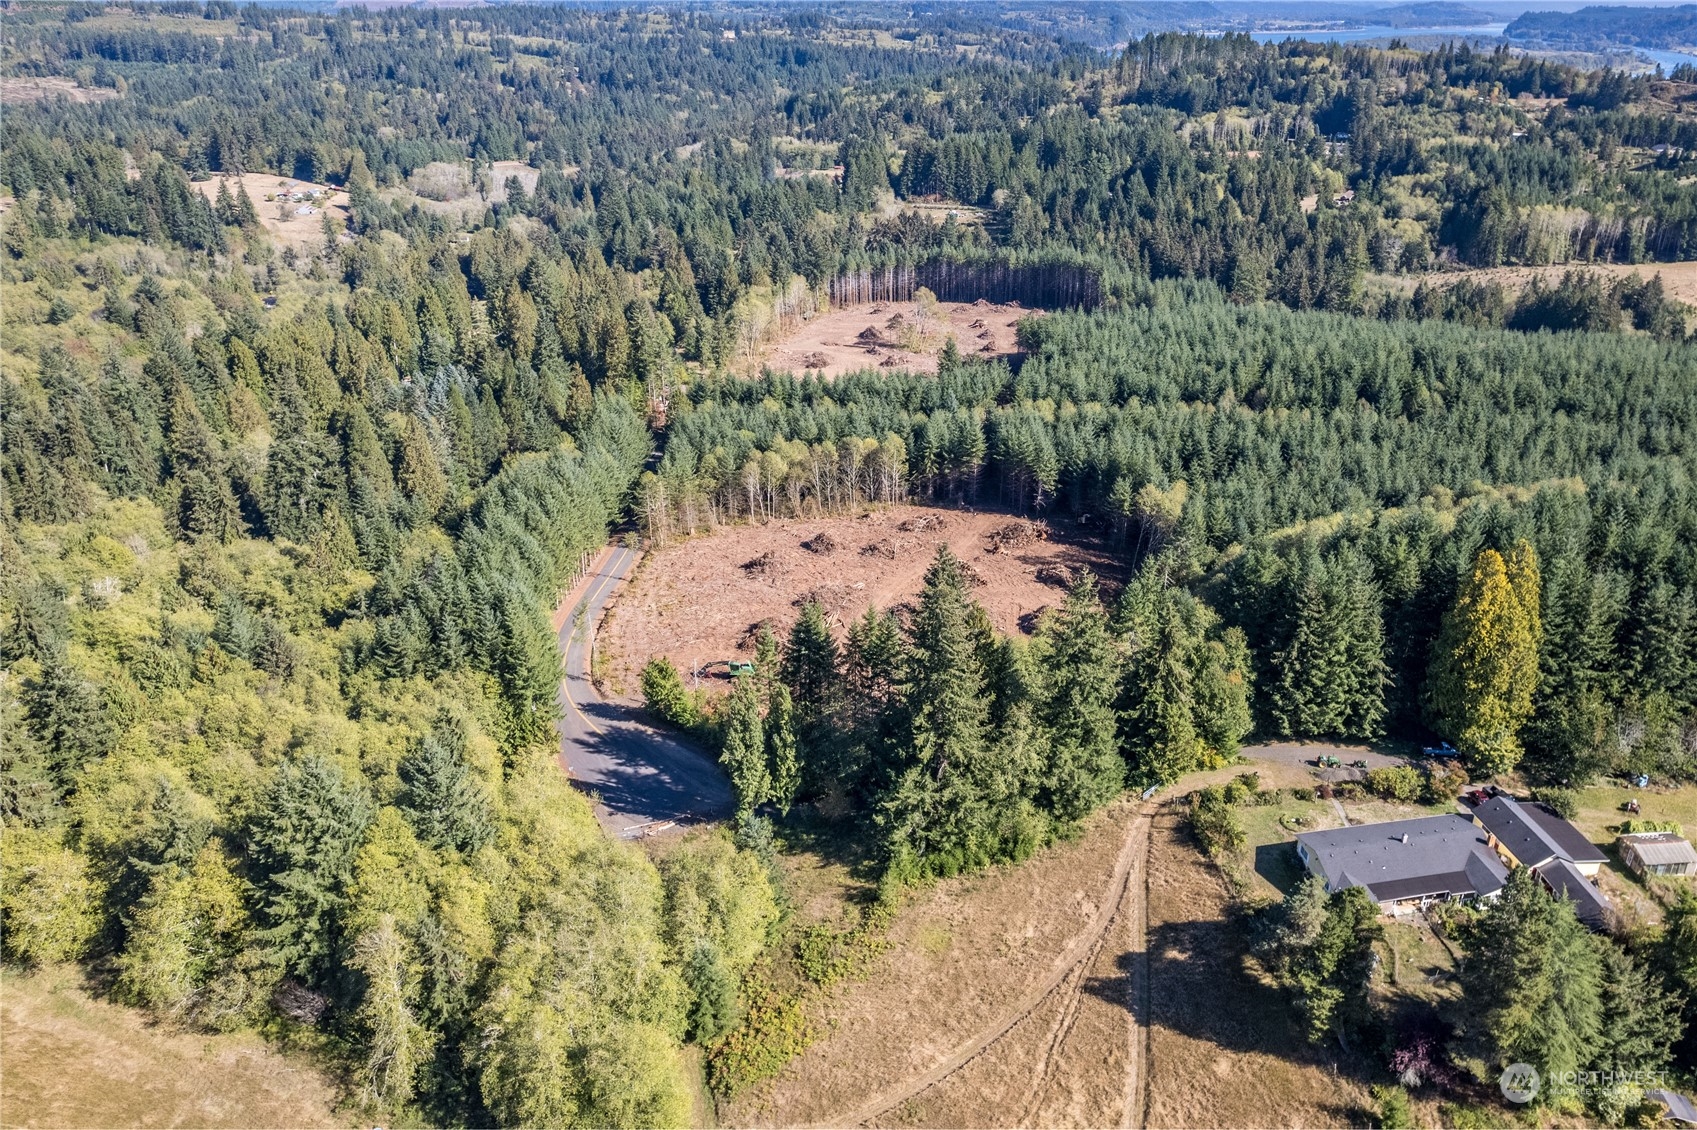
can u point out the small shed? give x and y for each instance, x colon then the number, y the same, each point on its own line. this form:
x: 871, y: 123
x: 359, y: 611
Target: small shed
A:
x: 1658, y: 853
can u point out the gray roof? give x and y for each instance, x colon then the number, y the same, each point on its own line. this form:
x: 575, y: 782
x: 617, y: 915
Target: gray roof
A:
x: 1443, y: 855
x: 1659, y: 848
x: 1679, y: 1107
x: 1533, y: 834
x: 1589, y: 903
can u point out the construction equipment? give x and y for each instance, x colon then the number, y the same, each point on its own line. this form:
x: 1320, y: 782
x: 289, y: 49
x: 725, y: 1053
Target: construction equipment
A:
x: 734, y: 668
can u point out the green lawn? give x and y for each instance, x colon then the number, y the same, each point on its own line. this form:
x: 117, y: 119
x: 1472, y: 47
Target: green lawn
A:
x: 1269, y: 833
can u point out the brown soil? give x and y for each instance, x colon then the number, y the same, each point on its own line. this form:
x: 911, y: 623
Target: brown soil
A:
x: 279, y: 216
x: 890, y: 335
x: 696, y: 601
x: 72, y: 1060
x: 1678, y: 279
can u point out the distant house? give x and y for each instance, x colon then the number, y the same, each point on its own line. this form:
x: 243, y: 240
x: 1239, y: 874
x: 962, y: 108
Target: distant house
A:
x: 306, y: 210
x: 1530, y: 835
x: 1658, y: 853
x: 1406, y: 863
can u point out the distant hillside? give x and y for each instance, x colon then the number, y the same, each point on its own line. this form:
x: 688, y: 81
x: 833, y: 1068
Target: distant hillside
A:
x: 1437, y: 14
x: 1598, y: 27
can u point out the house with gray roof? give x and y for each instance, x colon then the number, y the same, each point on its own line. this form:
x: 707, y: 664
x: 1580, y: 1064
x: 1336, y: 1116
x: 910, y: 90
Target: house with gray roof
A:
x: 1529, y: 835
x: 1564, y: 881
x: 1406, y: 862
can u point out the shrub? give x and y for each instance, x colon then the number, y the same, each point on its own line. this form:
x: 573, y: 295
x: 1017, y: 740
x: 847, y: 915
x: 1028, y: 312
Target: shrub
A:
x: 1562, y: 802
x: 1242, y: 787
x: 774, y: 1031
x: 1443, y: 782
x: 1215, y: 822
x: 1631, y: 826
x: 1392, y: 1110
x: 1399, y: 783
x: 1466, y: 1116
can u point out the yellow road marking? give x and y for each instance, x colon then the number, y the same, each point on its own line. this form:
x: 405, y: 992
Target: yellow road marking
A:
x: 566, y: 684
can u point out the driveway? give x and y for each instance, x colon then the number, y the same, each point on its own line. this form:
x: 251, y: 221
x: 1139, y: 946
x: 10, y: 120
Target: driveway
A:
x: 1304, y: 754
x: 643, y: 779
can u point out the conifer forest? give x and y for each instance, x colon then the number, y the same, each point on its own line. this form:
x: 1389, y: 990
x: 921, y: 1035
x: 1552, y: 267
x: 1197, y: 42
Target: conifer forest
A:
x: 337, y: 342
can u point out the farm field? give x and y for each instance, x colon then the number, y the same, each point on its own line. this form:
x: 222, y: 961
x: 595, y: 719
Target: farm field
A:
x: 73, y: 1060
x: 703, y: 599
x: 893, y: 335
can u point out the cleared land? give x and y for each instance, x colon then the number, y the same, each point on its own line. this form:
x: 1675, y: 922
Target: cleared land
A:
x: 893, y: 335
x: 17, y: 90
x: 1679, y: 280
x: 703, y: 599
x: 72, y: 1060
x: 291, y: 223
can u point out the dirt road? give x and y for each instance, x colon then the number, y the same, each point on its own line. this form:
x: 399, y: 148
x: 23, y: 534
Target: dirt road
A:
x: 1125, y: 898
x: 642, y: 778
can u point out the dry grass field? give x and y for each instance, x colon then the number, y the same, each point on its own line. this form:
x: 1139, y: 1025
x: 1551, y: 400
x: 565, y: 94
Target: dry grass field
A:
x: 67, y: 1059
x: 290, y: 223
x: 1678, y: 279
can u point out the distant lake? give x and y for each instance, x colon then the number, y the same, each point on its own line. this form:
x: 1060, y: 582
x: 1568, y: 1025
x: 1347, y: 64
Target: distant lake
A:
x: 1355, y: 34
x: 1668, y: 59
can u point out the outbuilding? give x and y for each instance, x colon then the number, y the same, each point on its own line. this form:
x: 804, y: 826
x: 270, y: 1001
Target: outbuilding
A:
x: 1658, y: 853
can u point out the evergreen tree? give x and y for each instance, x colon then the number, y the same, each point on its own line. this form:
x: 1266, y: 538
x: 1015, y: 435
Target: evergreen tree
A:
x: 1079, y: 680
x: 781, y: 756
x: 744, y: 753
x: 68, y: 718
x: 1534, y: 978
x: 1485, y: 668
x: 441, y: 796
x: 811, y: 666
x: 301, y: 846
x: 935, y: 804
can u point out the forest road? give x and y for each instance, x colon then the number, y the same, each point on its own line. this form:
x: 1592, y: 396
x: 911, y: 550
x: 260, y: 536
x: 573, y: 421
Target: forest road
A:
x: 643, y: 779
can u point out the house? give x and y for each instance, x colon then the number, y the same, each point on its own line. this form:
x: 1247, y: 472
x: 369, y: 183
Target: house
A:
x: 1530, y: 835
x: 306, y: 210
x: 1404, y: 863
x: 1564, y: 881
x: 1657, y: 853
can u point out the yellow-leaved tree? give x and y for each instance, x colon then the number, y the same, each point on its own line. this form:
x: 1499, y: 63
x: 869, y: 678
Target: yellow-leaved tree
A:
x: 1485, y: 668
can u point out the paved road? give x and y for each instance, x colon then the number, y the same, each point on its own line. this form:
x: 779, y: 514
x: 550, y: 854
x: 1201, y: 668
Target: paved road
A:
x: 641, y: 777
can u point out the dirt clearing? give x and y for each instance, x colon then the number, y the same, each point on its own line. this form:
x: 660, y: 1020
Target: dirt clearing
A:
x: 703, y: 599
x: 894, y: 335
x: 291, y: 211
x: 72, y: 1060
x: 17, y: 90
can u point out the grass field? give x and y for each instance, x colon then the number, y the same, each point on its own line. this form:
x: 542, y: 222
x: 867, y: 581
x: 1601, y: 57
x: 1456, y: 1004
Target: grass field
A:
x: 73, y: 1060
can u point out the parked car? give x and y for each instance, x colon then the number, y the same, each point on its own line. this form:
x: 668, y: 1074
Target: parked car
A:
x: 1443, y: 751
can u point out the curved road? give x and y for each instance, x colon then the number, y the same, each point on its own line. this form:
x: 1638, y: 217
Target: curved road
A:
x: 643, y: 779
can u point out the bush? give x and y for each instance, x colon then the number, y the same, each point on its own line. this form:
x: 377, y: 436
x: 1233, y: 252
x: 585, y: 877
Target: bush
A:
x: 1465, y: 1116
x: 1562, y: 802
x: 774, y: 1031
x: 1391, y: 1108
x: 1215, y: 822
x: 1240, y: 789
x: 1399, y: 783
x: 1443, y: 783
x: 1631, y: 826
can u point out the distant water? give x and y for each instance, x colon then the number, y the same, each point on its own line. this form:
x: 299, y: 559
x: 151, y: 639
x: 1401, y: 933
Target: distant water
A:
x: 1668, y: 59
x: 1356, y: 34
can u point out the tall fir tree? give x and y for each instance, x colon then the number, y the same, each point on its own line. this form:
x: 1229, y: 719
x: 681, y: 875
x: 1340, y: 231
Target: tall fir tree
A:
x: 1079, y: 677
x: 1485, y: 668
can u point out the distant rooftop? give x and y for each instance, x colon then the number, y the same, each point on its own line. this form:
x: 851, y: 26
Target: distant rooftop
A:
x: 1427, y: 856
